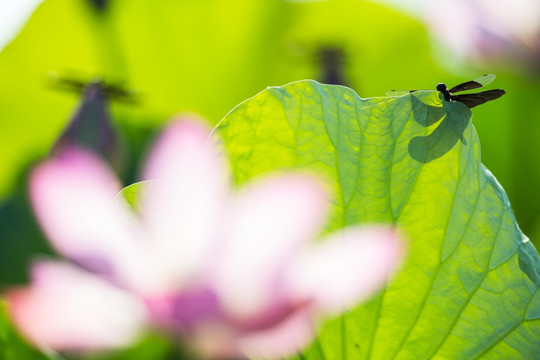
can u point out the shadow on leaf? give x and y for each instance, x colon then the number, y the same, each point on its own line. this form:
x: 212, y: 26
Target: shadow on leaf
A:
x: 455, y: 118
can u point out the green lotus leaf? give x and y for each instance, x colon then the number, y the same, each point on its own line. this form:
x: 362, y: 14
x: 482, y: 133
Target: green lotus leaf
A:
x: 469, y: 286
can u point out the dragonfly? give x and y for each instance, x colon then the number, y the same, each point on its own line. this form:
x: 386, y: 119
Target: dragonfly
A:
x: 91, y: 124
x: 102, y: 88
x: 470, y: 100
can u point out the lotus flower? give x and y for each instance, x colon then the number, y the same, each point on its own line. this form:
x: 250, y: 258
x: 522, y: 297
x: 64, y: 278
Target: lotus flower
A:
x: 231, y: 272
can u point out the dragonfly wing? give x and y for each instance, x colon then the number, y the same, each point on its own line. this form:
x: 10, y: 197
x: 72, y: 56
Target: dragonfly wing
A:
x: 469, y: 85
x: 116, y: 92
x: 474, y: 84
x: 472, y: 100
x: 485, y: 79
x: 71, y: 85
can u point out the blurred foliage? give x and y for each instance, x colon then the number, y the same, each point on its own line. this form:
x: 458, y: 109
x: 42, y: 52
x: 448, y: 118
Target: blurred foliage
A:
x: 190, y: 55
x: 20, y: 237
x: 469, y: 287
x: 203, y: 56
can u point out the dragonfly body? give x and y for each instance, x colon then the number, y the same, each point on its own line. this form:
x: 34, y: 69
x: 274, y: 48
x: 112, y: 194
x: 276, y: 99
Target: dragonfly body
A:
x: 444, y: 90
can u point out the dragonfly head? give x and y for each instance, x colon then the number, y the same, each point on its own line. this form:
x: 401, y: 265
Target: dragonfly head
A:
x: 441, y: 87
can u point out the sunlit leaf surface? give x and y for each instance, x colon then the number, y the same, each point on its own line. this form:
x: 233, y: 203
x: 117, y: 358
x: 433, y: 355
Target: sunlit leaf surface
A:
x: 469, y: 288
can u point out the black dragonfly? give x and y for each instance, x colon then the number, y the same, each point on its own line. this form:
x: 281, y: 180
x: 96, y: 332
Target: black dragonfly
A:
x: 92, y: 124
x: 470, y: 100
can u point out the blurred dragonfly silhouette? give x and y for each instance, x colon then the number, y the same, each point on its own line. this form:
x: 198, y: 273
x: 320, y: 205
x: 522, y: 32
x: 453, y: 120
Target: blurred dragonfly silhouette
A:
x: 333, y: 62
x: 100, y: 5
x: 91, y: 125
x: 470, y: 100
x: 110, y: 90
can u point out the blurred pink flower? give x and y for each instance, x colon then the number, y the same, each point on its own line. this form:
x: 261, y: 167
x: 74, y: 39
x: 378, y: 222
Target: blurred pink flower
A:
x: 488, y: 30
x: 231, y: 272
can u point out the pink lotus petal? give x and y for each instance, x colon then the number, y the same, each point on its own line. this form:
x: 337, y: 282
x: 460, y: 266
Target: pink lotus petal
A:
x: 271, y: 220
x: 73, y: 196
x: 346, y: 268
x: 281, y: 341
x: 68, y: 309
x: 183, y: 208
x: 455, y: 26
